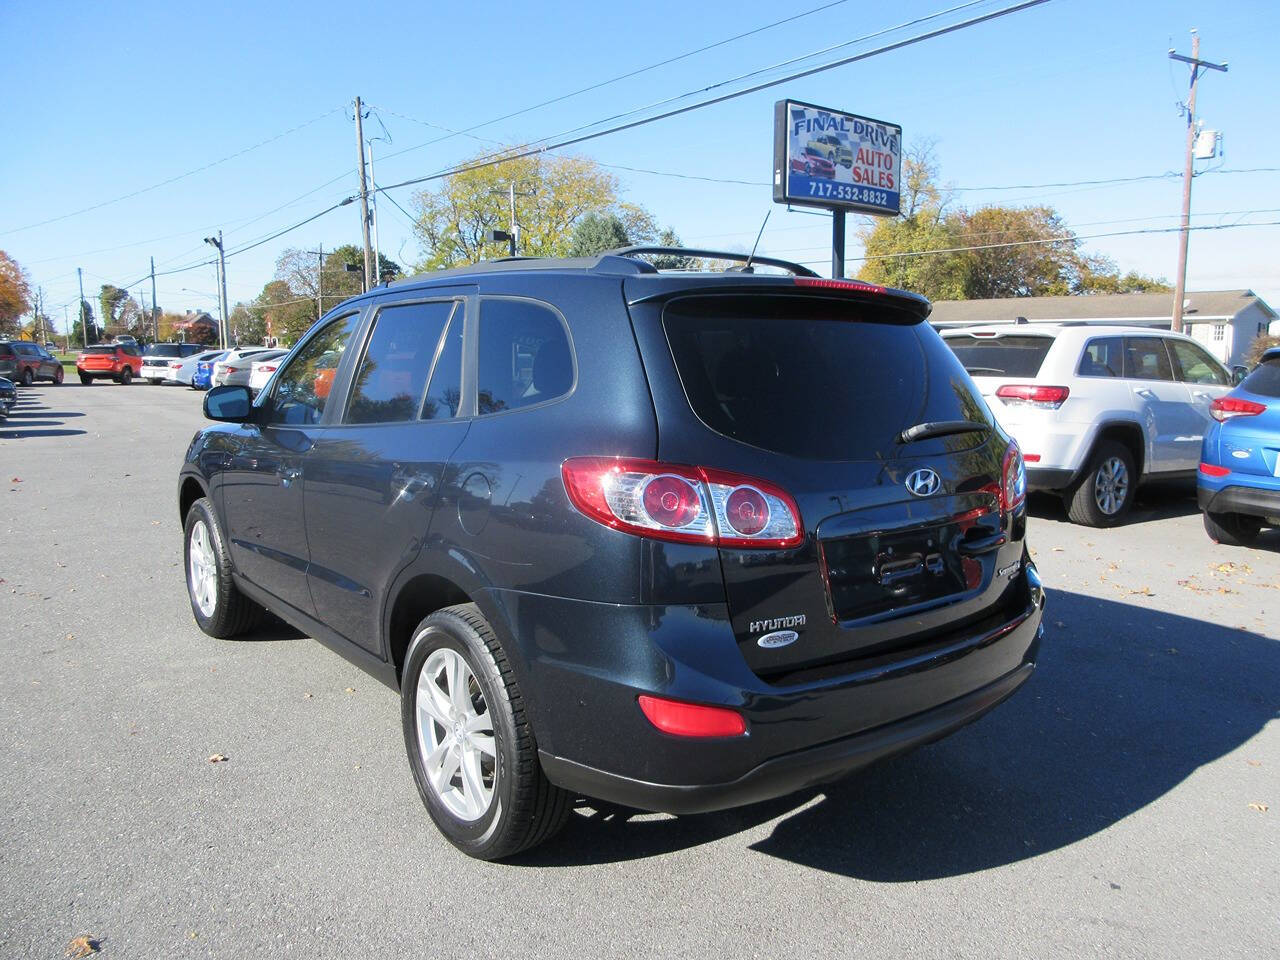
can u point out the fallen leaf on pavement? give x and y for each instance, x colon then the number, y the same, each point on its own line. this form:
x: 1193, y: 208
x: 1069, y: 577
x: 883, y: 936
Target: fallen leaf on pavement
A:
x: 350, y: 690
x: 1254, y: 763
x: 82, y: 947
x: 16, y: 480
x: 218, y: 758
x: 306, y: 696
x: 1260, y: 807
x: 1057, y: 549
x: 1144, y: 592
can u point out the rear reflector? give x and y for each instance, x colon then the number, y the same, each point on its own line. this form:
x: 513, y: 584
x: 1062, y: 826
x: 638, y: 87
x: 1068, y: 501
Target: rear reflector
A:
x: 1051, y: 397
x: 1213, y: 470
x: 684, y: 504
x: 1031, y: 457
x: 1227, y: 408
x: 691, y: 719
x: 854, y: 286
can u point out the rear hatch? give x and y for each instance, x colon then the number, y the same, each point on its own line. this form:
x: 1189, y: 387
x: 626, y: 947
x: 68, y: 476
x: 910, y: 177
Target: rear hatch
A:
x: 1000, y: 358
x: 97, y: 358
x: 1249, y: 440
x: 811, y: 390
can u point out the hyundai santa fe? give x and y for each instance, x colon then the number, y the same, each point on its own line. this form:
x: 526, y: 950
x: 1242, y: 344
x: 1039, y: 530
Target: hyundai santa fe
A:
x: 678, y: 541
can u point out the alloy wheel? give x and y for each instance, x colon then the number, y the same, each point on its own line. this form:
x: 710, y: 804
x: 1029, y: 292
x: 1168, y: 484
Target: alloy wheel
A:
x: 455, y: 735
x: 202, y: 570
x: 1111, y: 485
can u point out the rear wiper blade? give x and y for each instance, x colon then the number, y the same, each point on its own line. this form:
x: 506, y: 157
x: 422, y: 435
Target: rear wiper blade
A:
x: 940, y: 428
x: 973, y: 370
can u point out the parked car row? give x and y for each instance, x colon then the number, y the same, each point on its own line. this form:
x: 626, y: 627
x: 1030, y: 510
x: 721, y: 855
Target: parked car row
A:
x: 1099, y: 410
x: 24, y: 362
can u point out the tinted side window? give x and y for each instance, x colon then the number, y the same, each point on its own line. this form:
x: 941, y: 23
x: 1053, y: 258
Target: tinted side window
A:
x: 1102, y: 358
x: 397, y: 362
x: 303, y: 387
x: 1147, y: 359
x: 524, y: 355
x: 6, y: 350
x: 445, y: 391
x: 1195, y: 365
x: 1265, y: 379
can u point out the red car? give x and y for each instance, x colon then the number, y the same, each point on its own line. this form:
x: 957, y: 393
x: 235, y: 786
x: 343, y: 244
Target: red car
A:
x: 117, y: 361
x: 812, y: 164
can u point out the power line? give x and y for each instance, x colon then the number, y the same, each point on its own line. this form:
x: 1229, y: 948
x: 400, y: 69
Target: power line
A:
x: 865, y: 55
x: 181, y: 176
x: 603, y: 83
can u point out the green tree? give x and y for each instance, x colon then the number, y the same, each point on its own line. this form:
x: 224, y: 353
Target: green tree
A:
x: 597, y: 232
x: 15, y: 294
x: 284, y: 315
x: 110, y: 298
x: 85, y: 320
x: 247, y: 326
x: 453, y: 219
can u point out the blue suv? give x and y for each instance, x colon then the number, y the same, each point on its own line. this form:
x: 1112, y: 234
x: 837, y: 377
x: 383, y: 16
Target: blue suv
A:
x: 679, y: 541
x: 1238, y: 484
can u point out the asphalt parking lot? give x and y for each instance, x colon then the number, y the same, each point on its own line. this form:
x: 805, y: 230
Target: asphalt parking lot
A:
x: 1125, y: 803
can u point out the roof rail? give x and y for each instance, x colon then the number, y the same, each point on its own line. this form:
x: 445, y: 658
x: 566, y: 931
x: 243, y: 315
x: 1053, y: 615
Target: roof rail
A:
x: 744, y: 258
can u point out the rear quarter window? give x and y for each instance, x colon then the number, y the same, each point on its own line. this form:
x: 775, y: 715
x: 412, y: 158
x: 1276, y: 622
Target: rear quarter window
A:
x: 817, y: 378
x: 524, y: 356
x: 1004, y: 355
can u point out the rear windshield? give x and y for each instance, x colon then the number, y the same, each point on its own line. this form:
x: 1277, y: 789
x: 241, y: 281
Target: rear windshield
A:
x: 816, y: 378
x: 99, y: 350
x: 1265, y: 379
x: 163, y: 350
x: 1000, y: 356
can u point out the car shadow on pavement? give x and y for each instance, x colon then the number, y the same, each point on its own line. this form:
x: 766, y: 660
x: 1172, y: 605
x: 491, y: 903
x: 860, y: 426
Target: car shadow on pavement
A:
x: 30, y: 418
x: 1156, y: 501
x: 1126, y: 703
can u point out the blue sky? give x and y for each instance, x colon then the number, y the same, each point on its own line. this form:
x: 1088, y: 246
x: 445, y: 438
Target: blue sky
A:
x: 109, y: 99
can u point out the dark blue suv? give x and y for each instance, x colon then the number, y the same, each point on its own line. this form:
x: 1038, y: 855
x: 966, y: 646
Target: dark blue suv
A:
x: 680, y: 541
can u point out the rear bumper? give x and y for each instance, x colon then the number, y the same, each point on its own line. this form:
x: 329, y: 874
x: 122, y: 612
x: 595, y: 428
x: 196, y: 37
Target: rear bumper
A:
x: 1261, y: 501
x: 791, y: 772
x: 586, y: 664
x: 1049, y: 478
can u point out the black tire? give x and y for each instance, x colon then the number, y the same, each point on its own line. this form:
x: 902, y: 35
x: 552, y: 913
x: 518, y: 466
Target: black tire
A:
x: 232, y: 612
x: 126, y: 376
x: 526, y: 809
x: 85, y: 379
x: 1232, y: 529
x: 58, y: 376
x: 153, y: 381
x: 1086, y: 498
x: 28, y: 378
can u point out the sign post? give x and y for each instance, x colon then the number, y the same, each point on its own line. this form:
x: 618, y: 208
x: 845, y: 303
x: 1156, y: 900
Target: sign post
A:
x: 838, y: 161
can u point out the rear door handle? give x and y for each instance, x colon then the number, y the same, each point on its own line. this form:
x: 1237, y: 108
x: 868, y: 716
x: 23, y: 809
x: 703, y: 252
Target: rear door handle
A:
x: 1202, y: 395
x: 290, y: 474
x: 1144, y: 392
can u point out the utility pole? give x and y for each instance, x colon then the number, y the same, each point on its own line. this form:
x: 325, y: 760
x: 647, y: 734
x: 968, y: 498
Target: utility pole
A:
x: 377, y: 249
x: 66, y: 322
x: 512, y: 193
x: 84, y: 323
x: 320, y: 283
x: 1188, y: 173
x: 369, y: 278
x: 155, y: 314
x: 223, y: 317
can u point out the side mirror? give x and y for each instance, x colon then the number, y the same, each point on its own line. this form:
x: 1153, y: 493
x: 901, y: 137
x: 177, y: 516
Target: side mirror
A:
x: 230, y: 404
x: 1238, y: 374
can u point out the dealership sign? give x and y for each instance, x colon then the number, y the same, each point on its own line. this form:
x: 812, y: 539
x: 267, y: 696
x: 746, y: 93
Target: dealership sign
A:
x: 825, y: 158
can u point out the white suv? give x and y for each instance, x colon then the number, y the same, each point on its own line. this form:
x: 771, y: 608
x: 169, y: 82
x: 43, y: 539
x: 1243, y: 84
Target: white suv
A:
x: 1096, y: 409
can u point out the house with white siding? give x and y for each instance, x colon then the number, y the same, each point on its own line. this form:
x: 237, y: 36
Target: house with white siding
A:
x: 1226, y: 322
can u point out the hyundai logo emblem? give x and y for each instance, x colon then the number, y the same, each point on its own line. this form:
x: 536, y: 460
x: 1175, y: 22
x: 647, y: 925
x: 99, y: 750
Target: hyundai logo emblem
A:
x: 923, y: 482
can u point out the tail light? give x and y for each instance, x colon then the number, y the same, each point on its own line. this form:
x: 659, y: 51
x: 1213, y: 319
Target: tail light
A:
x: 1228, y: 408
x: 683, y: 504
x: 174, y: 364
x: 692, y: 719
x: 1013, y: 479
x: 1048, y: 397
x: 227, y: 370
x: 267, y: 368
x: 1213, y: 470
